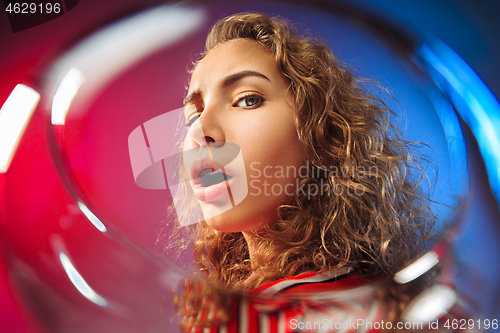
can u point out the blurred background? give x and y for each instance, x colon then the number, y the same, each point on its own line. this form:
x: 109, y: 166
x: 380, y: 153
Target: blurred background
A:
x: 83, y: 248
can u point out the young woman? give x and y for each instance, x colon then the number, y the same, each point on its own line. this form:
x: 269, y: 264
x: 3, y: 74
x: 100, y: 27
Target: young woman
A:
x: 333, y: 198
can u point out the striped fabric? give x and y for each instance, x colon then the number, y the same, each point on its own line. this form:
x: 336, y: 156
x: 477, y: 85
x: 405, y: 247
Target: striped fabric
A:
x: 328, y: 301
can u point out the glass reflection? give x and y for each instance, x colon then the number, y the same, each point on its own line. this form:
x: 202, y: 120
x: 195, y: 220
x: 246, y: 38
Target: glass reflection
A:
x: 65, y: 94
x: 476, y: 104
x: 14, y: 117
x: 92, y: 218
x: 79, y: 282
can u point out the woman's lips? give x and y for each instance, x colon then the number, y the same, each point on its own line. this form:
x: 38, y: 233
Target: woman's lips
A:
x: 210, y: 186
x: 208, y: 177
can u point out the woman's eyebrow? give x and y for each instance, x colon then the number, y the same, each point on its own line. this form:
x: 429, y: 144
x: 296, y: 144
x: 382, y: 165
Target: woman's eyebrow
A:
x: 229, y: 80
x: 195, y: 94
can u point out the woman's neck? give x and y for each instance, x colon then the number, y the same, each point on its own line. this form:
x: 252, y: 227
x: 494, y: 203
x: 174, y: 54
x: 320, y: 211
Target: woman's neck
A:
x: 252, y: 240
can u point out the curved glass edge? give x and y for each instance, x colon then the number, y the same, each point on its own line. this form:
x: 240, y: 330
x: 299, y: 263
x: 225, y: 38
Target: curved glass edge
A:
x: 133, y: 37
x: 471, y: 97
x: 66, y: 77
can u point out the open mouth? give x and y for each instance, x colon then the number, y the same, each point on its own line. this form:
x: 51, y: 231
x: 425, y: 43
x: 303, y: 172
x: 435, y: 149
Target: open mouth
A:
x: 208, y: 177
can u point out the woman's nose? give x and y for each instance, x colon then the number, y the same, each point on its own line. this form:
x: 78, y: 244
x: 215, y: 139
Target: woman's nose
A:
x: 205, y: 130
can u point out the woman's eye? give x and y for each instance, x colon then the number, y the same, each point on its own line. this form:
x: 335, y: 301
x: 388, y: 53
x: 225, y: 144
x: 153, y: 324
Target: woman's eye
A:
x: 192, y: 119
x: 249, y: 101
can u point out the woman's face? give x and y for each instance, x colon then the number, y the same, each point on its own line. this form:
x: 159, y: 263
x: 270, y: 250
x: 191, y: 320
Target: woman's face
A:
x: 238, y: 96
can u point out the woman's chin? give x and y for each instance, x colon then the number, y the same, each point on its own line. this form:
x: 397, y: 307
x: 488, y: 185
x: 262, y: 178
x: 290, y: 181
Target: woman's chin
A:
x: 223, y: 223
x: 230, y: 221
x: 235, y: 221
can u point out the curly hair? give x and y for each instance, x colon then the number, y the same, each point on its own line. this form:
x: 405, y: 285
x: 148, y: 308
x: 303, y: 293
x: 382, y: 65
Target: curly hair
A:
x: 341, y: 126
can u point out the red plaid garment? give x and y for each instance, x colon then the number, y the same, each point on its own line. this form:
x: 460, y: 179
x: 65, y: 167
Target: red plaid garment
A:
x: 327, y: 301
